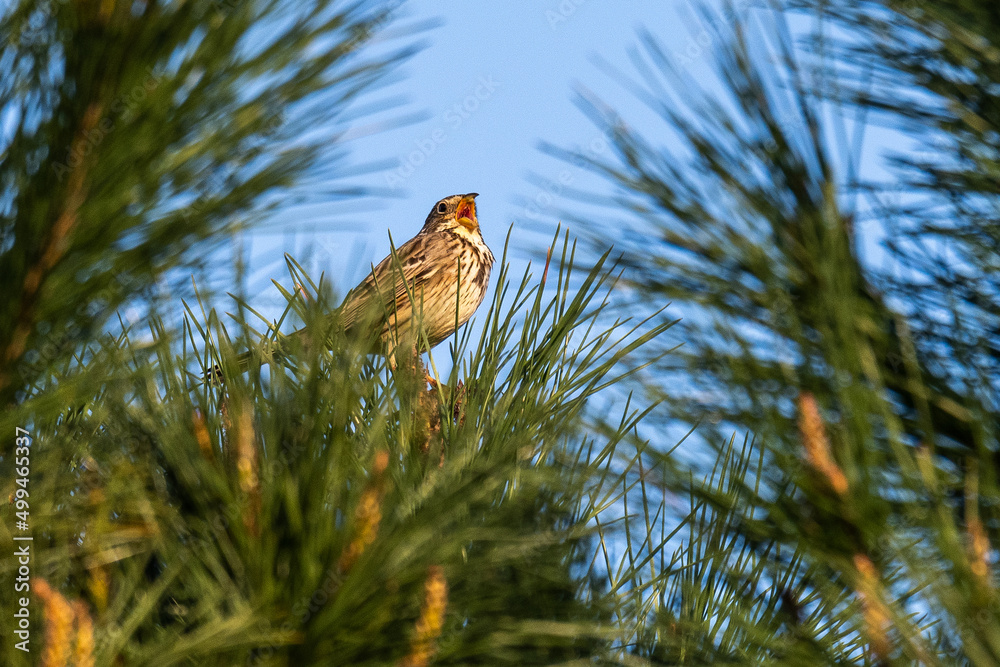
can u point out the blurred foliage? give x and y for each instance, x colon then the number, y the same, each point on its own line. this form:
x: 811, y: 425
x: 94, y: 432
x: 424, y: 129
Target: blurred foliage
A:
x: 133, y: 133
x: 857, y: 523
x: 931, y: 69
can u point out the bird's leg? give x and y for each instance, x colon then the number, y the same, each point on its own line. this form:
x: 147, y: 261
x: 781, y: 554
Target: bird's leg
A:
x: 459, y: 413
x: 421, y: 368
x: 408, y: 368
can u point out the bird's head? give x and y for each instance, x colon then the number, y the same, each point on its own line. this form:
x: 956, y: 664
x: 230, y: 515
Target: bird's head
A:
x: 457, y: 212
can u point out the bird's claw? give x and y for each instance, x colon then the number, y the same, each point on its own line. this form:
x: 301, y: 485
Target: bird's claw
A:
x: 431, y: 381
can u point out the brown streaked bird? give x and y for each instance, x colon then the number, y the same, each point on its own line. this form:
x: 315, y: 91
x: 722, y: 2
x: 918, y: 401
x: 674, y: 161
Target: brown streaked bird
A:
x: 445, y: 267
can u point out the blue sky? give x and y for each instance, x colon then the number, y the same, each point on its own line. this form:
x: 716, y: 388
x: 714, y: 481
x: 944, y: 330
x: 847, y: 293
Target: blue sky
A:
x: 494, y: 80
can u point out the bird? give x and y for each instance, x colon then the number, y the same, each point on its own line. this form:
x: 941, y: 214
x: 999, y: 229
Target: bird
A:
x: 443, y: 272
x: 445, y: 267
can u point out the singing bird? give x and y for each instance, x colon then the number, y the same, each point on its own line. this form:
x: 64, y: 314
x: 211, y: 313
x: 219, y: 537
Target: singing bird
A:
x: 445, y: 267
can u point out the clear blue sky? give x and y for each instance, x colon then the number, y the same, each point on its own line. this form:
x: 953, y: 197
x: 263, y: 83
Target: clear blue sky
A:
x: 494, y: 79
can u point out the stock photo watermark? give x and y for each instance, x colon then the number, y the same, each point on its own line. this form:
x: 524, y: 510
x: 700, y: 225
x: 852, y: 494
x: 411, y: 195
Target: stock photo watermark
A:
x: 552, y: 191
x: 695, y: 46
x: 455, y: 116
x: 119, y: 112
x: 562, y: 12
x: 22, y: 539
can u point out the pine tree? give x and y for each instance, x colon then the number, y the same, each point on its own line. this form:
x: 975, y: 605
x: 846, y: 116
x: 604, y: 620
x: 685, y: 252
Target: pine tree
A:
x: 836, y: 501
x: 856, y: 521
x: 323, y: 509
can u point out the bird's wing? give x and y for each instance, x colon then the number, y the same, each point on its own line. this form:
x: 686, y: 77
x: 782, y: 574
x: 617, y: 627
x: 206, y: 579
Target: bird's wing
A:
x: 385, y: 290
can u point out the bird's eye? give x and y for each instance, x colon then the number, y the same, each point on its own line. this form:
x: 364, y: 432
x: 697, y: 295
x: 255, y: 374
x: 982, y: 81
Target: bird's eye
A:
x: 442, y: 208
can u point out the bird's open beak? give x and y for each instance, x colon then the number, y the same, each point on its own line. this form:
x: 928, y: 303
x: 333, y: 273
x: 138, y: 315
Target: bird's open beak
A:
x: 466, y: 212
